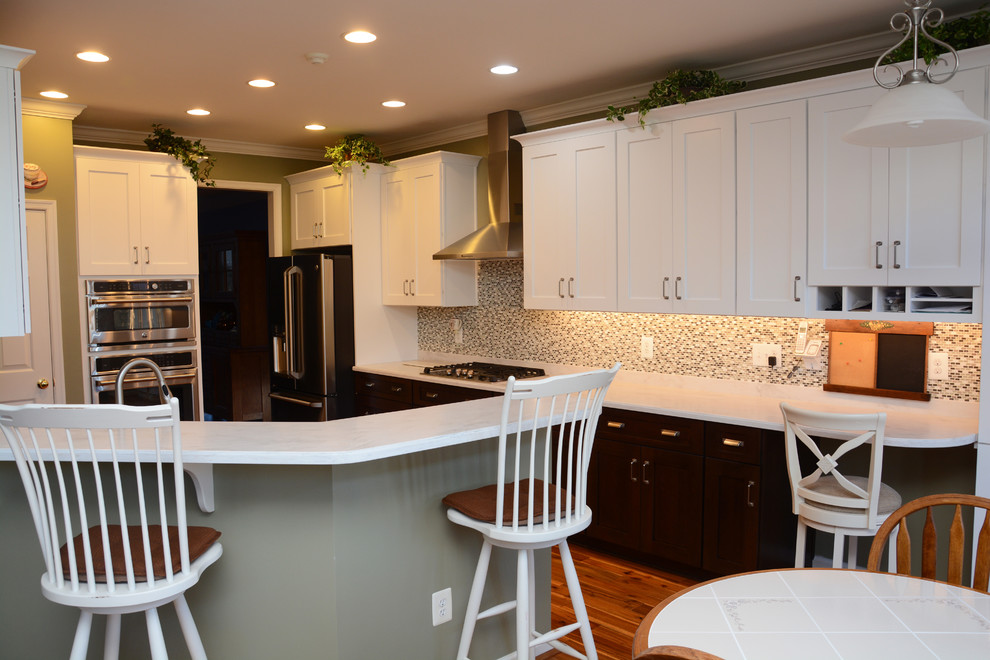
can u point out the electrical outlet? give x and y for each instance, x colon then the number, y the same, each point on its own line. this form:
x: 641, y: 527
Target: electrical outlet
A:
x: 763, y: 352
x: 938, y: 366
x: 646, y: 348
x: 458, y: 329
x: 442, y: 607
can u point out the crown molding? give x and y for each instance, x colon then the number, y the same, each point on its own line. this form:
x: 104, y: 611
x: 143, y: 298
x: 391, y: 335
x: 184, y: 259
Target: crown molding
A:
x: 51, y: 109
x: 119, y: 136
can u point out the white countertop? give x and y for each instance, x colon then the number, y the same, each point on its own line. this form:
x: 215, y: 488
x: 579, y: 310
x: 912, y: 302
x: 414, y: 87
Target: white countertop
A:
x: 922, y: 424
x: 909, y: 423
x: 824, y: 613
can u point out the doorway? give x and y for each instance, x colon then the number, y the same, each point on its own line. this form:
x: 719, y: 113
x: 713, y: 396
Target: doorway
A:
x: 234, y: 227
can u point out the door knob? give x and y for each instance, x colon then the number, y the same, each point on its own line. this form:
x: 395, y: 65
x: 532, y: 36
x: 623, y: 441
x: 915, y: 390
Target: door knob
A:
x: 43, y: 384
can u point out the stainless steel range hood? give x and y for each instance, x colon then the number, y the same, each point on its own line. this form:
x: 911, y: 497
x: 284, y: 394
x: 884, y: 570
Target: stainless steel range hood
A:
x: 501, y: 239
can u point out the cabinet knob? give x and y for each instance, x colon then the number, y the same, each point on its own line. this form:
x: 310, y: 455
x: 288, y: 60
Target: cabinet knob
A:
x: 43, y: 384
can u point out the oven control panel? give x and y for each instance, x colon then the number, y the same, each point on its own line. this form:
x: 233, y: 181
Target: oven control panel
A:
x: 138, y: 286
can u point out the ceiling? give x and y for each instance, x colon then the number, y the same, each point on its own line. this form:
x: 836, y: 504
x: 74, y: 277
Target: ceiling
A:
x: 167, y: 57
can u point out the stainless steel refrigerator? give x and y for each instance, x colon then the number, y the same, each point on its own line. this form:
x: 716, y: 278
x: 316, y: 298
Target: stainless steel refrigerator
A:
x: 311, y: 326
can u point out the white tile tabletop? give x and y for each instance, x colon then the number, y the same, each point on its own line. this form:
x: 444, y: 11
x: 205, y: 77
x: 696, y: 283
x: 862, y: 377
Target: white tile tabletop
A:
x: 830, y: 614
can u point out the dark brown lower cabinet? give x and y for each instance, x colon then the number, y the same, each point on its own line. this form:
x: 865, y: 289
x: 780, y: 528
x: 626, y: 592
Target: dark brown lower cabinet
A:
x: 691, y: 494
x: 646, y: 481
x: 376, y: 393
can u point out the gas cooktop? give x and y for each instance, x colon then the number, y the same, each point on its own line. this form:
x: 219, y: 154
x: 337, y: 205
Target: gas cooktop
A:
x: 483, y: 371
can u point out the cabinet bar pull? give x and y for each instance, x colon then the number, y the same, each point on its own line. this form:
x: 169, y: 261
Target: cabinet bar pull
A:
x: 646, y: 464
x: 412, y: 287
x: 570, y: 285
x: 405, y: 287
x: 668, y: 433
x: 432, y: 395
x: 616, y: 425
x: 878, y: 246
x: 663, y: 288
x: 677, y: 287
x: 560, y: 287
x: 797, y: 298
x: 135, y: 254
x: 632, y: 470
x: 732, y: 442
x: 396, y: 388
x: 369, y: 385
x: 314, y: 231
x: 896, y: 265
x: 147, y: 254
x: 749, y: 494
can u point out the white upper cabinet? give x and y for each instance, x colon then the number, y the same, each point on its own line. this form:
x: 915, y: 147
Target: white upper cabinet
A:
x: 136, y: 214
x: 771, y: 209
x: 569, y: 227
x: 704, y: 202
x: 676, y: 216
x: 324, y: 204
x: 428, y: 202
x: 14, y: 300
x: 905, y: 216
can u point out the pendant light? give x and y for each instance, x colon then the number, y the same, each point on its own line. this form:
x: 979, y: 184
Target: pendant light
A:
x: 917, y: 111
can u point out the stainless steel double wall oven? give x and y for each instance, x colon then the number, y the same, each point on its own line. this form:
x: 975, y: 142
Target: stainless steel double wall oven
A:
x: 154, y: 319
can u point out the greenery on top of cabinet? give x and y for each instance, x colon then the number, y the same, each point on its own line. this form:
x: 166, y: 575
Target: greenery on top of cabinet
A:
x: 191, y: 154
x: 354, y: 149
x: 678, y: 86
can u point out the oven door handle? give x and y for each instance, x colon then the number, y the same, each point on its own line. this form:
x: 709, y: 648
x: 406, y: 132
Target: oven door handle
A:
x: 109, y: 383
x: 111, y: 302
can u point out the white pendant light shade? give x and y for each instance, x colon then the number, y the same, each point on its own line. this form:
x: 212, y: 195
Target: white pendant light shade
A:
x: 917, y: 115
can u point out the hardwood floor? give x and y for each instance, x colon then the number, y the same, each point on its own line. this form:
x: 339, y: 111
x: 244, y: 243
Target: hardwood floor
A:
x: 617, y: 594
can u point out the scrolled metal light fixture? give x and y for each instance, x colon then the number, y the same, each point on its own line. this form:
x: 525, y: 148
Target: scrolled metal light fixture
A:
x: 917, y: 110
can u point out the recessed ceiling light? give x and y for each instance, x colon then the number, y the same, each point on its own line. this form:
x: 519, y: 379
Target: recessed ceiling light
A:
x: 261, y: 82
x: 360, y: 37
x: 199, y: 112
x: 315, y: 127
x: 393, y: 104
x: 92, y: 56
x: 52, y: 94
x: 504, y: 69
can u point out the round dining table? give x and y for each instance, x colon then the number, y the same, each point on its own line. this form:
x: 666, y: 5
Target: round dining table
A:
x: 822, y: 614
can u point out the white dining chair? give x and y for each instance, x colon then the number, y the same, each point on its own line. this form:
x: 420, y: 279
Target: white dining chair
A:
x: 105, y: 488
x: 823, y: 496
x: 538, y: 500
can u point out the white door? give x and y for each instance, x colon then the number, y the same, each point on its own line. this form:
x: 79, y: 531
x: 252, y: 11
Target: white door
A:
x: 398, y: 239
x: 771, y: 210
x: 704, y: 202
x: 169, y: 232
x: 644, y: 218
x: 31, y: 366
x: 847, y: 194
x: 936, y: 204
x: 548, y: 233
x: 593, y: 262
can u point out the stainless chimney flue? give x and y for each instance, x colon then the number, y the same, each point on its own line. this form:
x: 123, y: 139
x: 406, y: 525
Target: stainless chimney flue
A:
x: 502, y: 238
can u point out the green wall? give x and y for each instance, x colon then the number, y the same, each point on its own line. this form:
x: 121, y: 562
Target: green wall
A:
x: 48, y: 142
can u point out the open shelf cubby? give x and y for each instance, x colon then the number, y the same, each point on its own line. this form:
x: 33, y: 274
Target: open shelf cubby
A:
x: 947, y: 303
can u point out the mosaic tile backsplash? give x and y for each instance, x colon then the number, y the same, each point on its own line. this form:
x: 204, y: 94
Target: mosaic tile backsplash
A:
x: 688, y: 345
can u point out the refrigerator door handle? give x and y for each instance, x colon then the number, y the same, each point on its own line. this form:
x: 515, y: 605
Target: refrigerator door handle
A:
x: 292, y: 283
x: 294, y: 400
